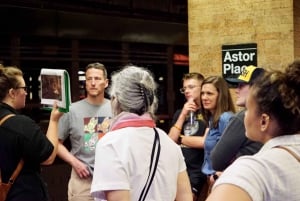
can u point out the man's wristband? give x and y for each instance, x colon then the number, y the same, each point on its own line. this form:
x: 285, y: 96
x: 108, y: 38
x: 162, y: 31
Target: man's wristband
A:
x: 177, y: 127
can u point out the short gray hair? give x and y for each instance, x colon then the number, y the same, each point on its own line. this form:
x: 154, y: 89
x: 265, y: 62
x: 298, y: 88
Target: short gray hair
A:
x: 135, y: 90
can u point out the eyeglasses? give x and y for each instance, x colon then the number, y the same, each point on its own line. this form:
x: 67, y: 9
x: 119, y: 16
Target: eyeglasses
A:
x: 190, y: 87
x: 24, y: 88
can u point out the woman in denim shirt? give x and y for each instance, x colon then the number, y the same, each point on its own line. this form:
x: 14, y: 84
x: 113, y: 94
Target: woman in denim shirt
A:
x: 218, y: 108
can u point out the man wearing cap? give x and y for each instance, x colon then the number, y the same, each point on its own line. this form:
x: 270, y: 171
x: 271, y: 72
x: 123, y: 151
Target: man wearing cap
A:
x: 234, y: 143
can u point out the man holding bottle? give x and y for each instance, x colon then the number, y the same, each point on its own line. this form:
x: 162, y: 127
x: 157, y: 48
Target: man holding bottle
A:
x: 188, y: 130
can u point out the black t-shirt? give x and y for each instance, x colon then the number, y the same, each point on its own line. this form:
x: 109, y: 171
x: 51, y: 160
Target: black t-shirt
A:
x: 193, y: 156
x: 21, y: 137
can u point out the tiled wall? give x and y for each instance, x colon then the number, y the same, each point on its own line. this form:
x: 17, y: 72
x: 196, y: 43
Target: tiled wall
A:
x: 272, y: 24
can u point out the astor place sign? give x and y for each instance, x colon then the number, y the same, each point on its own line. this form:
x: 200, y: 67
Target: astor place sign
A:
x: 236, y: 57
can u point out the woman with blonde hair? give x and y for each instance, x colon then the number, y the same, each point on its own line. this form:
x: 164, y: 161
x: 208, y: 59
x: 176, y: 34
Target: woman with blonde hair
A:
x: 22, y: 138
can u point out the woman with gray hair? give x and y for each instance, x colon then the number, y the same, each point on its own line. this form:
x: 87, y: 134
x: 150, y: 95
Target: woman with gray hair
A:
x: 135, y: 160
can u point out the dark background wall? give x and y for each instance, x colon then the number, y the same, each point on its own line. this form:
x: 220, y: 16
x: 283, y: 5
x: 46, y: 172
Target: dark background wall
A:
x: 70, y: 34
